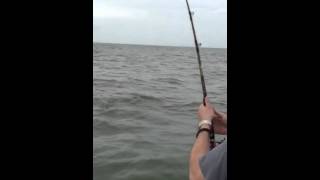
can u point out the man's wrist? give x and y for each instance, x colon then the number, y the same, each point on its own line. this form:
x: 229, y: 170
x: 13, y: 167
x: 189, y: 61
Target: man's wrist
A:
x: 207, y: 126
x: 202, y: 131
x: 204, y: 122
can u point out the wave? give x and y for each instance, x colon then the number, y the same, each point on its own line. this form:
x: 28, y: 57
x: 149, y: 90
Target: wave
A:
x: 169, y: 80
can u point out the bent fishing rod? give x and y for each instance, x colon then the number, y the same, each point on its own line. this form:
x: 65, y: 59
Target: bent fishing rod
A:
x: 204, y: 90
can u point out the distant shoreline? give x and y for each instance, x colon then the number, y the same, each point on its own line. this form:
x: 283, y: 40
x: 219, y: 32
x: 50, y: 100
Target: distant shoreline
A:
x: 203, y: 47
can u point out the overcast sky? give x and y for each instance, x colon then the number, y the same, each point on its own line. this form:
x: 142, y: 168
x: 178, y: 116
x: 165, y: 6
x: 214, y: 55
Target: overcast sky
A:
x: 160, y: 22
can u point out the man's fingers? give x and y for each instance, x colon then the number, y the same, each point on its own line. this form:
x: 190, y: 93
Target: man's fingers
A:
x: 208, y: 104
x: 218, y: 114
x: 207, y: 100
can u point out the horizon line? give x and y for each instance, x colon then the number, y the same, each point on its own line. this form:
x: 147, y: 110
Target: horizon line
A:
x: 157, y: 45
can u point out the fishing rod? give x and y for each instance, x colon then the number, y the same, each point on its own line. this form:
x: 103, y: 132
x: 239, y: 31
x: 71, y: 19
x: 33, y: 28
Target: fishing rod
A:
x: 204, y: 90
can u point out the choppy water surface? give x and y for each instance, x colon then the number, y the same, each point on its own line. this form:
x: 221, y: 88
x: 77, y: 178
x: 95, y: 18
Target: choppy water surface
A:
x: 145, y: 101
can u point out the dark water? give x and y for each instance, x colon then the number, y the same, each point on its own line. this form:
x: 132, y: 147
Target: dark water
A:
x: 145, y: 101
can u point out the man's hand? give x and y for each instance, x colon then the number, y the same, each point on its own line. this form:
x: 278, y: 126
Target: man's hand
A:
x: 220, y: 123
x: 206, y: 112
x: 219, y: 119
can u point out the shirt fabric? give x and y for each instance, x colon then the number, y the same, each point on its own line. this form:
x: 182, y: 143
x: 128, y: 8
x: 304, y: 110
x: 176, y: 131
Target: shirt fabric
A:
x: 214, y: 164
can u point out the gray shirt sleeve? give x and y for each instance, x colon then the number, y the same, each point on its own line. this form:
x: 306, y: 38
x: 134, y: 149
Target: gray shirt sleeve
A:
x: 214, y: 164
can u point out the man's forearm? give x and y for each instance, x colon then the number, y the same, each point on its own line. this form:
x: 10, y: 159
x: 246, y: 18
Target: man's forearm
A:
x: 200, y: 148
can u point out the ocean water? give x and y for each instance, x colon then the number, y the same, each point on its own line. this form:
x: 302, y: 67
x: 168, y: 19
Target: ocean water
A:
x: 145, y: 101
